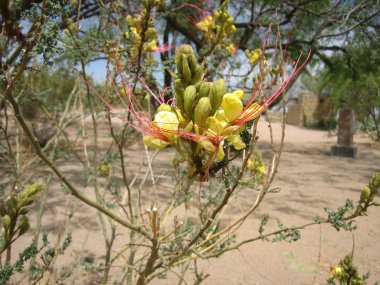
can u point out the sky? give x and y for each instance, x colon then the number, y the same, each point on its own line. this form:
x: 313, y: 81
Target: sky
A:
x: 97, y: 70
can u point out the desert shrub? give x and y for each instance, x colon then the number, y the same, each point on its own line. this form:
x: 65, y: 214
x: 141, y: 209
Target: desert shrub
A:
x: 181, y: 99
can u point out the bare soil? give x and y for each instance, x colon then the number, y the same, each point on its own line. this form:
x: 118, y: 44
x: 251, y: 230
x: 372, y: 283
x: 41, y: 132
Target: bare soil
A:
x: 309, y: 180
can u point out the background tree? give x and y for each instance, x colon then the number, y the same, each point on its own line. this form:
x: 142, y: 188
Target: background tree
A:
x: 353, y: 82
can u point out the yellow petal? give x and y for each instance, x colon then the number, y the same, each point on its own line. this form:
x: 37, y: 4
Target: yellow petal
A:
x: 232, y: 106
x: 214, y: 125
x: 220, y: 154
x: 167, y: 121
x: 207, y: 145
x: 221, y: 117
x: 239, y: 93
x: 236, y: 141
x: 154, y: 142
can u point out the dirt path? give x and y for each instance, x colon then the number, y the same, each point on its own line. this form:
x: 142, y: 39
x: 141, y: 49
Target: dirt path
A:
x: 309, y: 179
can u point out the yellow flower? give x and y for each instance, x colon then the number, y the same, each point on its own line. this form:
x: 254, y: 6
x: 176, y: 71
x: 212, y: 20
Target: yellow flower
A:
x: 231, y: 48
x: 257, y: 165
x: 232, y: 106
x: 239, y: 93
x: 168, y: 122
x: 205, y: 24
x: 154, y: 142
x: 207, y: 145
x: 152, y: 45
x: 255, y: 56
x: 236, y: 141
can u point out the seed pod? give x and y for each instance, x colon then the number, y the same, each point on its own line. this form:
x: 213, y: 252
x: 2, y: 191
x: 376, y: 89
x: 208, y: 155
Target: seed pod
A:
x: 186, y: 72
x: 179, y: 93
x: 204, y: 89
x: 202, y: 111
x: 6, y: 222
x: 218, y: 90
x: 190, y: 100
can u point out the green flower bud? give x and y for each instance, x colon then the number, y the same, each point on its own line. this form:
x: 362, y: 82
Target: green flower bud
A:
x: 129, y: 20
x: 151, y: 46
x: 364, y: 195
x: 26, y: 202
x: 151, y: 33
x: 202, y: 111
x: 23, y: 211
x: 185, y: 50
x: 231, y: 29
x: 178, y: 62
x: 24, y: 224
x: 217, y: 15
x: 11, y: 203
x: 34, y: 189
x: 190, y: 97
x: 229, y: 22
x: 2, y: 209
x: 204, y: 89
x: 179, y: 93
x: 12, y: 213
x: 217, y: 92
x: 192, y: 61
x: 164, y: 107
x: 6, y: 222
x: 375, y: 183
x: 181, y: 50
x: 198, y: 74
x: 186, y: 72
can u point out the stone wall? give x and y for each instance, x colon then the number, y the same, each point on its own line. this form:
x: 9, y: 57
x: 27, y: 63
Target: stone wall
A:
x: 308, y: 110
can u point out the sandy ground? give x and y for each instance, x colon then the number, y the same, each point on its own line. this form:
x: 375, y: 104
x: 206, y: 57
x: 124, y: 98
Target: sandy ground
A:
x: 309, y: 178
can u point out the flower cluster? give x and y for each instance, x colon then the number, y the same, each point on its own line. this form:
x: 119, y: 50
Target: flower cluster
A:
x: 203, y: 117
x: 135, y: 34
x: 141, y: 33
x: 217, y: 28
x: 203, y: 120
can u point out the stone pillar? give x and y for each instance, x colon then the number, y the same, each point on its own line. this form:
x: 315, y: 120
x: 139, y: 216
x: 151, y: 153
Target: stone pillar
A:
x: 345, y: 146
